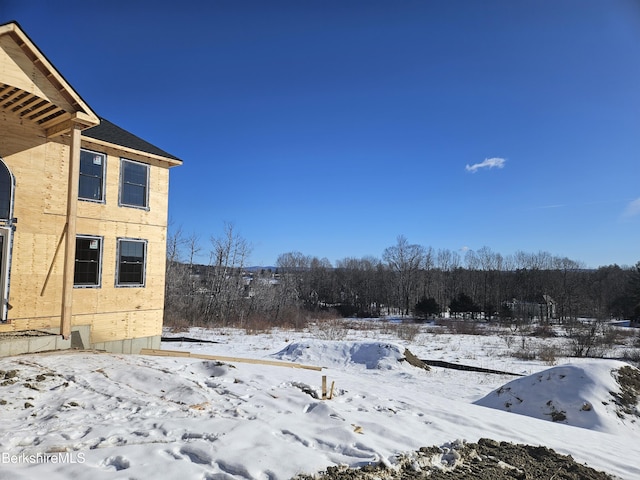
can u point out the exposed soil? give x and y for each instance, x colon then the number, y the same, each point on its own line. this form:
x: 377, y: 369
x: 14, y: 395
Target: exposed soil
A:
x: 485, y: 460
x: 627, y: 399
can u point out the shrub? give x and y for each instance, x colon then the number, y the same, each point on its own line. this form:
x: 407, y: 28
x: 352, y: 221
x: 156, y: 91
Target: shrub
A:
x: 176, y: 324
x: 632, y: 355
x: 346, y: 310
x: 590, y: 339
x: 462, y: 327
x: 543, y: 331
x: 407, y: 331
x: 547, y: 353
x: 256, y: 324
x: 524, y: 354
x: 331, y: 329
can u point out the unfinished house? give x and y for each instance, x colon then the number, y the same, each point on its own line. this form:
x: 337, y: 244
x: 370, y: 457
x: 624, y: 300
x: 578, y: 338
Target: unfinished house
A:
x: 83, y: 216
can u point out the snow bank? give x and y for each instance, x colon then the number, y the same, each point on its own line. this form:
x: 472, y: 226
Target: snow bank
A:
x: 104, y: 416
x: 585, y: 395
x: 372, y: 355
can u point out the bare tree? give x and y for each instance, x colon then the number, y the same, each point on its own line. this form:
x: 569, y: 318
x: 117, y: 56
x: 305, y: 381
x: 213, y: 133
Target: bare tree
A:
x: 521, y: 284
x: 361, y: 286
x: 320, y: 282
x: 224, y: 278
x: 427, y: 277
x: 294, y: 293
x: 405, y: 261
x: 181, y: 307
x: 175, y: 275
x: 566, y: 290
x: 490, y: 264
x: 448, y: 265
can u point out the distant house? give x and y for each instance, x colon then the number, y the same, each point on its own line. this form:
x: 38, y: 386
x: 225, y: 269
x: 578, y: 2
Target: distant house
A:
x: 83, y: 215
x: 543, y: 310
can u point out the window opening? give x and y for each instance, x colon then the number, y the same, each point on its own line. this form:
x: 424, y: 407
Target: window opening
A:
x: 88, y: 264
x: 134, y: 184
x: 131, y: 263
x: 92, y: 169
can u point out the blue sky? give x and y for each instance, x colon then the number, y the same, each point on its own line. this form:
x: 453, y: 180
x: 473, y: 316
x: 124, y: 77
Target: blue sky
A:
x: 332, y: 127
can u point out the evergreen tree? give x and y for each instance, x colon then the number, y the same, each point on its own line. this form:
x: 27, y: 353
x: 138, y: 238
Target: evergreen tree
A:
x: 464, y: 304
x: 427, y: 307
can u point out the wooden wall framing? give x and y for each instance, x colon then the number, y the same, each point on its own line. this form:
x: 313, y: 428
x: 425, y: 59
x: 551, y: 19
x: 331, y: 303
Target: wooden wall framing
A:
x: 40, y: 162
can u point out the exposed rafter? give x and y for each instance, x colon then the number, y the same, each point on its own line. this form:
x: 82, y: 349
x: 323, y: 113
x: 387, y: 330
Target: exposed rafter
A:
x: 49, y: 102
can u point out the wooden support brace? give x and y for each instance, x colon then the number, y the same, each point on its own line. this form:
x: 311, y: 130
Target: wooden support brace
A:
x: 255, y: 361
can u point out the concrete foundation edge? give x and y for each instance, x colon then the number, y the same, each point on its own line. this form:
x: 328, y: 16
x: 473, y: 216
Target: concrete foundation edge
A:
x: 129, y: 345
x: 50, y: 340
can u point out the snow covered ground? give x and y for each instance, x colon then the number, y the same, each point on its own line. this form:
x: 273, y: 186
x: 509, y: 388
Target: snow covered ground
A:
x: 85, y: 415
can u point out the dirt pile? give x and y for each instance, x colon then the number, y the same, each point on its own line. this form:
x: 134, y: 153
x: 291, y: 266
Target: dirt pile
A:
x: 485, y: 460
x: 596, y: 394
x: 627, y: 398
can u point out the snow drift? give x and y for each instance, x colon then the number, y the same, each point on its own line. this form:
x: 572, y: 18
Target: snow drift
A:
x: 372, y: 355
x: 105, y: 416
x: 591, y: 395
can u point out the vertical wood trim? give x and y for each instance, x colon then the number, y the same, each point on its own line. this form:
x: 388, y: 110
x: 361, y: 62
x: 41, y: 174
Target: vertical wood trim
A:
x: 70, y: 231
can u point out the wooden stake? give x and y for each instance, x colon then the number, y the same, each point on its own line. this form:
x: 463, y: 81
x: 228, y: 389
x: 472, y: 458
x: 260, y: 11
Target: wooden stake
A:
x: 324, y: 387
x: 333, y: 384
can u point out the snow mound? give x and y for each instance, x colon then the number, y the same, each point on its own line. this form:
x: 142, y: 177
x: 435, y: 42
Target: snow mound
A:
x: 372, y: 355
x: 599, y: 395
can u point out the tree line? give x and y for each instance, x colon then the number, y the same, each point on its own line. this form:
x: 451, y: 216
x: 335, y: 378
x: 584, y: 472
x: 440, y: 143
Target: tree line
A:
x: 408, y: 279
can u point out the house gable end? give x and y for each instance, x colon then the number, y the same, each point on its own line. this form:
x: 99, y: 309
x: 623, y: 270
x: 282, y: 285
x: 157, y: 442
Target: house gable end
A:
x: 31, y: 88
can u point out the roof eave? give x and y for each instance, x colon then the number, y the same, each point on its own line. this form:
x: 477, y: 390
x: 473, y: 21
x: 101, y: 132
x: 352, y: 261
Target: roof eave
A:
x: 172, y: 162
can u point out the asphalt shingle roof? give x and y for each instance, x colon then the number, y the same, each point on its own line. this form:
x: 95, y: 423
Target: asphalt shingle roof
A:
x: 109, y: 132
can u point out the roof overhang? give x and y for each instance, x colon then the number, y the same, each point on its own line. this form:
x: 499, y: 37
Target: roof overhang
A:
x: 170, y: 162
x: 32, y: 89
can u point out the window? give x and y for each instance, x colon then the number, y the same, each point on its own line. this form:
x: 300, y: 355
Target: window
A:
x: 91, y: 186
x: 6, y: 192
x: 131, y: 263
x: 134, y: 184
x: 88, y: 261
x: 5, y: 252
x: 7, y: 184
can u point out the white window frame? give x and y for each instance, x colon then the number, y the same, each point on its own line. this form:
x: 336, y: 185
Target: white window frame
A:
x: 121, y: 201
x: 144, y: 263
x: 7, y: 227
x: 100, y: 261
x: 5, y: 267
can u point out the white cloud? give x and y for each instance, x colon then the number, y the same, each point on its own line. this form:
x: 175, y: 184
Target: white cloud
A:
x: 488, y: 163
x: 633, y: 209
